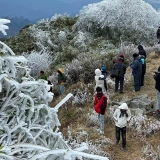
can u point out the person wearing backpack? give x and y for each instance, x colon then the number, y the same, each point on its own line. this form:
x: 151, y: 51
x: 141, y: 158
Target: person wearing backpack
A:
x: 99, y: 78
x: 136, y: 72
x: 141, y: 51
x: 122, y: 116
x: 121, y: 68
x: 143, y: 62
x: 61, y: 80
x: 100, y: 105
x: 105, y: 73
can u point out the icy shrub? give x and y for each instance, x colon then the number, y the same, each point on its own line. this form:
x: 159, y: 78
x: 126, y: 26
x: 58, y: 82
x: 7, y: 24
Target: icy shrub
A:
x: 143, y: 125
x: 29, y: 127
x: 94, y: 148
x: 38, y: 61
x: 82, y: 96
x: 150, y: 153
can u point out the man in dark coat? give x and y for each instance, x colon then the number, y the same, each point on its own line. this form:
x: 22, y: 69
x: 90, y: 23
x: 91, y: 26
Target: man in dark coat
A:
x: 141, y: 51
x: 158, y: 35
x: 120, y: 78
x: 157, y: 87
x: 136, y: 72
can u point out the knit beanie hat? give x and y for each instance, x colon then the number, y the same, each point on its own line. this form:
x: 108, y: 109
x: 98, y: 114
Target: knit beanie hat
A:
x: 135, y: 55
x: 104, y: 68
x: 99, y: 89
x: 123, y: 106
x: 121, y: 55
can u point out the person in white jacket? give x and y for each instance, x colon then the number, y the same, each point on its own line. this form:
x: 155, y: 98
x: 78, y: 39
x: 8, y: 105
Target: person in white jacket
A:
x: 99, y: 78
x: 122, y: 115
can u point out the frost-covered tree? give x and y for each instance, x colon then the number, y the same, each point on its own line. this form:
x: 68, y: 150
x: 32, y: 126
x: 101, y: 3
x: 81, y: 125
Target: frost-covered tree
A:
x: 38, y: 61
x: 29, y: 127
x: 120, y: 16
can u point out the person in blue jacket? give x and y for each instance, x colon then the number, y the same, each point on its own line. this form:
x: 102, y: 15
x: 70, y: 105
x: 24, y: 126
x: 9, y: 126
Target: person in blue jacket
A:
x: 136, y: 72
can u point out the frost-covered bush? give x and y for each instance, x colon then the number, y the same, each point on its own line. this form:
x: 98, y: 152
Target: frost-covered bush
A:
x: 143, y: 125
x: 134, y: 19
x: 94, y: 147
x: 38, y: 61
x: 150, y: 152
x: 81, y: 96
x: 29, y: 127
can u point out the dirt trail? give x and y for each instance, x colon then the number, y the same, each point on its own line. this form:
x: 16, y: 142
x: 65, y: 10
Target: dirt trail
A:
x: 135, y: 144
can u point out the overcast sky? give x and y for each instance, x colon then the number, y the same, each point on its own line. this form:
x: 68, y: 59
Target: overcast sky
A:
x: 36, y: 9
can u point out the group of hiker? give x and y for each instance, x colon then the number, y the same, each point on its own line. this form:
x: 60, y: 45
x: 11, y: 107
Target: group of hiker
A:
x: 122, y: 114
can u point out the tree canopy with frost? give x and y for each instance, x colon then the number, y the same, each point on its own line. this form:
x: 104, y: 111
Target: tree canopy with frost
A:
x: 29, y: 127
x: 121, y: 14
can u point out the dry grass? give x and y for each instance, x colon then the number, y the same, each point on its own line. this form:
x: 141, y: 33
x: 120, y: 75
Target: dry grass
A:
x: 69, y: 117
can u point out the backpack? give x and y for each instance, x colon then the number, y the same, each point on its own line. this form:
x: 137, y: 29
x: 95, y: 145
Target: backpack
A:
x: 141, y: 59
x: 64, y: 78
x: 114, y: 73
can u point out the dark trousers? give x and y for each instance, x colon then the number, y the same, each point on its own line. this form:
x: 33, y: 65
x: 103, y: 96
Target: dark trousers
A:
x: 142, y: 79
x: 137, y: 82
x: 117, y: 81
x: 121, y: 131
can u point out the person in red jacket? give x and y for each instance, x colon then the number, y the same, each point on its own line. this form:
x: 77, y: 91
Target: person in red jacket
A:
x: 100, y: 105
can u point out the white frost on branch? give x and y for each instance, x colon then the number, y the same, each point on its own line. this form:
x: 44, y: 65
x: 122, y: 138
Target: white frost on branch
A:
x: 29, y: 127
x: 3, y: 25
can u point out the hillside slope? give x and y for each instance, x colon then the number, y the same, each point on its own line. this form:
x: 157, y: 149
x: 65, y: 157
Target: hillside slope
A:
x: 77, y: 120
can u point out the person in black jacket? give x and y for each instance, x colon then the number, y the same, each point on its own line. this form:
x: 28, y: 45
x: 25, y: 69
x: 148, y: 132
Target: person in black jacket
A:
x: 143, y: 62
x: 156, y: 77
x: 158, y: 35
x: 120, y: 78
x: 141, y: 51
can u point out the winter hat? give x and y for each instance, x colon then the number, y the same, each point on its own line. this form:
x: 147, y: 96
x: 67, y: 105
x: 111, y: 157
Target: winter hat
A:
x: 99, y: 89
x: 104, y: 68
x: 98, y: 72
x: 123, y: 106
x: 121, y: 55
x: 140, y: 47
x: 60, y: 70
x: 135, y: 55
x: 159, y: 69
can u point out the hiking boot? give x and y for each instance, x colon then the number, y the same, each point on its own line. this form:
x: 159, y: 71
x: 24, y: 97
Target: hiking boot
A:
x: 117, y: 142
x: 101, y: 132
x: 124, y: 149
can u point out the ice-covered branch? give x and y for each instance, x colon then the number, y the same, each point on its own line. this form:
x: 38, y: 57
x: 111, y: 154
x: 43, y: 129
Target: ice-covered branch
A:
x: 3, y: 27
